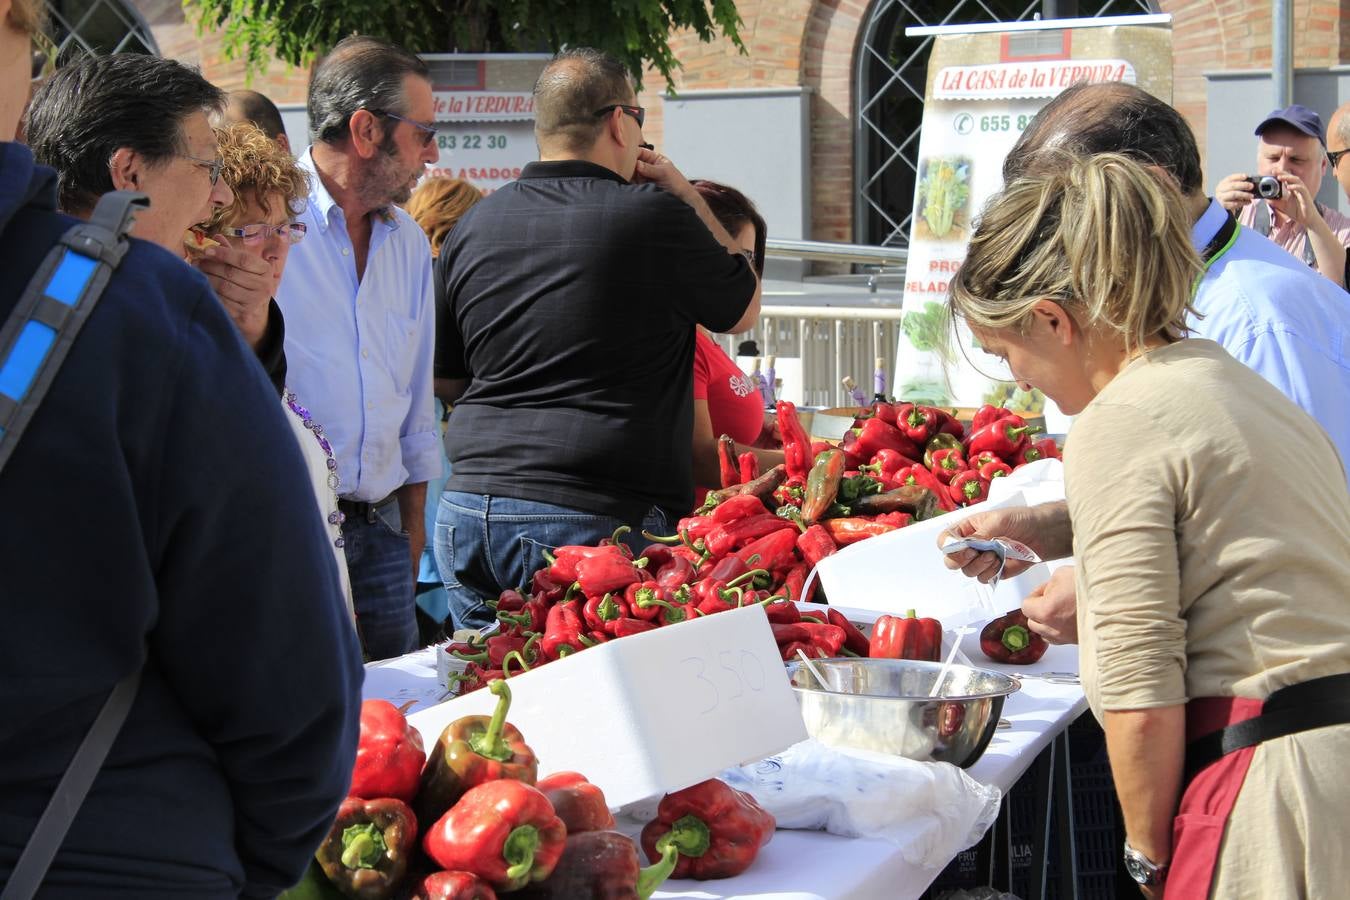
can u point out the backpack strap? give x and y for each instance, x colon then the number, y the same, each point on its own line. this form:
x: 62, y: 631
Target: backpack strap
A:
x: 54, y: 306
x: 34, y: 342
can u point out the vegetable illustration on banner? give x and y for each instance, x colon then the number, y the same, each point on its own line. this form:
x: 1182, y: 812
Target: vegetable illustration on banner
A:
x: 984, y: 88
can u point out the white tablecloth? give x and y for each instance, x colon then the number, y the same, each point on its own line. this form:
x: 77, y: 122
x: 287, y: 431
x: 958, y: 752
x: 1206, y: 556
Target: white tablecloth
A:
x: 813, y: 865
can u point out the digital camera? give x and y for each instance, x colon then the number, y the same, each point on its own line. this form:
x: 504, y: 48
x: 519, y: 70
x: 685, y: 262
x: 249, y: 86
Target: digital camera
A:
x: 1269, y: 187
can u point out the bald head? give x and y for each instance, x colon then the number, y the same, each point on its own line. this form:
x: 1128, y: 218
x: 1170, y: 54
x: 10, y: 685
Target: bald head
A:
x: 568, y: 93
x: 1087, y: 119
x: 1338, y: 140
x: 256, y: 109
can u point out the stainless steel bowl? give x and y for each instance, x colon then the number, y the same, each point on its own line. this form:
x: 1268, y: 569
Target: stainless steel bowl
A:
x: 884, y: 705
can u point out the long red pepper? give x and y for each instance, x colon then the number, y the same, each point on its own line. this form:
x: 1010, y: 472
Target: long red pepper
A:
x: 796, y: 442
x: 726, y: 461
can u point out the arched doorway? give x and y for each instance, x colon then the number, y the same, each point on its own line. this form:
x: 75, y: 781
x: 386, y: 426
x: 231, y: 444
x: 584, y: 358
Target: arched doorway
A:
x: 890, y: 72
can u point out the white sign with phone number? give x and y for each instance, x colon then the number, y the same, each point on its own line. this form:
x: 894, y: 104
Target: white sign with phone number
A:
x: 486, y: 154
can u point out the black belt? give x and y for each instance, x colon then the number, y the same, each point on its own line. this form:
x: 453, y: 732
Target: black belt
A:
x: 362, y: 509
x: 1298, y: 707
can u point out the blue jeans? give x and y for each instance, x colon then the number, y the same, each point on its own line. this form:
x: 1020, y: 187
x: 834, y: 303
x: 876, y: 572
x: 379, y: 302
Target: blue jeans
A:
x: 379, y: 561
x: 486, y: 544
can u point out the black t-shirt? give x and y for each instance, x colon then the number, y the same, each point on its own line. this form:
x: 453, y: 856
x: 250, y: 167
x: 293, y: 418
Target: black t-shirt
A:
x: 569, y: 299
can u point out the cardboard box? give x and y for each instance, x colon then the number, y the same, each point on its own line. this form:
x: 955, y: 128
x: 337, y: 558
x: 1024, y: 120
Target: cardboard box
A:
x: 652, y: 712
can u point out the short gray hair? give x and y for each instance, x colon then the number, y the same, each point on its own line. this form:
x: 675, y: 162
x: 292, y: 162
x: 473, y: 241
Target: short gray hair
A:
x: 360, y: 73
x: 570, y: 89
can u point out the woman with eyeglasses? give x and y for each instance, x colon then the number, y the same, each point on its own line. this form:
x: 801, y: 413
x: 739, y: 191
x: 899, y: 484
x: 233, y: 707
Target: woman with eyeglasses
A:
x: 1212, y: 574
x: 269, y: 191
x: 725, y: 400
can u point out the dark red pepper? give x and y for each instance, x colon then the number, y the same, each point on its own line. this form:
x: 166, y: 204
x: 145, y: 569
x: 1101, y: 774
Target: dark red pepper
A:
x: 676, y: 573
x: 453, y: 886
x: 909, y: 637
x: 718, y: 830
x: 656, y: 555
x: 726, y: 461
x: 367, y: 851
x: 580, y: 804
x: 969, y: 487
x: 854, y: 639
x: 601, y: 865
x: 1009, y: 639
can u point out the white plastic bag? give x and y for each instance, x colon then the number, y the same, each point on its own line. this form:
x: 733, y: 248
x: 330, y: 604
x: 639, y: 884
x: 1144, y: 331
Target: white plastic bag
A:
x: 931, y: 811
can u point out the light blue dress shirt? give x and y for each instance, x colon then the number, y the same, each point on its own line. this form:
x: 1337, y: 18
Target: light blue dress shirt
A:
x: 359, y: 354
x: 1280, y: 318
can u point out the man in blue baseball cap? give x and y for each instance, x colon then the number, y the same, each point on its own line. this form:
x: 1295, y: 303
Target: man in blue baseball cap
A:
x: 1292, y: 150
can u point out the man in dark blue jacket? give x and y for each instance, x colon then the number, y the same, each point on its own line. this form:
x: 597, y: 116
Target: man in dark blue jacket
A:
x: 159, y: 517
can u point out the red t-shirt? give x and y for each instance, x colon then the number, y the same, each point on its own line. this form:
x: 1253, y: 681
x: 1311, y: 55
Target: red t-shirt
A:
x: 734, y: 405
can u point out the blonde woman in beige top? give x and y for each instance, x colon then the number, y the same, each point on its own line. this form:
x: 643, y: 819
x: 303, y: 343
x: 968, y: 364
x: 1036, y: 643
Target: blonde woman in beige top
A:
x: 1211, y: 526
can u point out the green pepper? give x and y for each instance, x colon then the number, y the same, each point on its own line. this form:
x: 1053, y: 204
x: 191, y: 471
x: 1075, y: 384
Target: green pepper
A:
x: 822, y: 485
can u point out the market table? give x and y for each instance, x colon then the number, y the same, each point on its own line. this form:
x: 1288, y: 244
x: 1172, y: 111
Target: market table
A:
x: 814, y: 865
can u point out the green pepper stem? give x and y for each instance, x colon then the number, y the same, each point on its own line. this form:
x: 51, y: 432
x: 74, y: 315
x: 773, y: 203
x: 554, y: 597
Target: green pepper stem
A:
x: 527, y: 652
x: 362, y: 846
x: 1016, y: 637
x: 514, y: 619
x: 470, y: 657
x: 619, y: 533
x: 650, y: 878
x: 740, y: 579
x: 489, y: 743
x: 519, y: 658
x: 518, y: 850
x: 663, y: 538
x: 752, y: 559
x: 571, y: 589
x: 548, y: 557
x: 689, y: 835
x: 587, y: 641
x: 911, y: 614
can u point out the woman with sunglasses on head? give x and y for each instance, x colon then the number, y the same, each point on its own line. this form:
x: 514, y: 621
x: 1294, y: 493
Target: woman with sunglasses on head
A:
x: 269, y: 191
x: 725, y: 400
x: 1212, y: 573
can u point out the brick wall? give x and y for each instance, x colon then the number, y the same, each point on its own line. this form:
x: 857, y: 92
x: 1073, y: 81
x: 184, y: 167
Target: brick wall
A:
x: 812, y: 43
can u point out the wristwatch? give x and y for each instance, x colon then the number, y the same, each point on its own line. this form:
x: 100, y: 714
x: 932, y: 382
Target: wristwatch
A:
x: 1142, y: 869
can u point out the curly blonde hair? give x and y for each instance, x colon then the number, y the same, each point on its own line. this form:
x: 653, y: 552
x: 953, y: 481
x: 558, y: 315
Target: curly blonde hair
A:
x: 440, y: 202
x: 1100, y: 235
x: 257, y: 168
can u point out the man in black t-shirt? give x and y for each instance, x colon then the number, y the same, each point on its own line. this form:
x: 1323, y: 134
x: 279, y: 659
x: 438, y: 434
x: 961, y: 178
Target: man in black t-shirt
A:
x: 566, y: 307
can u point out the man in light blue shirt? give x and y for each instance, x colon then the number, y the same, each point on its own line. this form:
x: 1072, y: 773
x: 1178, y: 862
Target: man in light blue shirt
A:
x: 360, y: 321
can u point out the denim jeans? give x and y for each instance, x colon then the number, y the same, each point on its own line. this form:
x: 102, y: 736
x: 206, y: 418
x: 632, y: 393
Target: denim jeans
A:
x: 486, y: 544
x: 379, y: 561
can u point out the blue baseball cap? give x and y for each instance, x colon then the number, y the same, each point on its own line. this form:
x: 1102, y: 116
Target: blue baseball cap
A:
x: 1298, y: 117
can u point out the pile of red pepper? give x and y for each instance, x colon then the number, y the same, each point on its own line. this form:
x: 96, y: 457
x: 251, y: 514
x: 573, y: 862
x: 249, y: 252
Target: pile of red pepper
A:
x: 488, y: 827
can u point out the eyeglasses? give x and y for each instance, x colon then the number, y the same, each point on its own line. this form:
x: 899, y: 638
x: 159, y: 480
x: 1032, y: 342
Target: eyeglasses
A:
x: 428, y: 131
x: 212, y: 166
x: 291, y: 232
x: 1335, y: 155
x: 636, y: 112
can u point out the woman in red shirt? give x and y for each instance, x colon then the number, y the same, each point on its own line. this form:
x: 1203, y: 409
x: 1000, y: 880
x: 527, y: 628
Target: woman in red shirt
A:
x: 725, y: 399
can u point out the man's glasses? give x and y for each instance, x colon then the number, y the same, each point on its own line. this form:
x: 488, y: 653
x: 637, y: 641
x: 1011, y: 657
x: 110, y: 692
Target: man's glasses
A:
x: 212, y: 166
x: 428, y: 131
x: 636, y: 112
x: 290, y: 232
x: 1335, y: 155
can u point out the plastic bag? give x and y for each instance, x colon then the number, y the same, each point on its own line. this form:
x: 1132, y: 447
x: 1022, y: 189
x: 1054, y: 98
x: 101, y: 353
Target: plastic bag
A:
x: 931, y: 811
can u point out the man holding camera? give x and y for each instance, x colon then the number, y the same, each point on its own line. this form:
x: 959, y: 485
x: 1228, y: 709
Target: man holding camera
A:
x: 1278, y: 201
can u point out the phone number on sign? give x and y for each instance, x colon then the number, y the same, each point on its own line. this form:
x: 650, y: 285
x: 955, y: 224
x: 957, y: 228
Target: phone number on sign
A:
x: 1004, y: 122
x: 471, y: 141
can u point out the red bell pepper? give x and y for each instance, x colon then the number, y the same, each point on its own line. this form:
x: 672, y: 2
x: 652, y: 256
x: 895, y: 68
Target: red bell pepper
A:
x: 742, y: 506
x: 885, y: 412
x: 816, y: 544
x: 646, y: 601
x: 501, y: 645
x: 985, y: 456
x: 947, y: 423
x: 601, y: 865
x: 1009, y: 639
x: 919, y: 423
x: 854, y: 640
x: 829, y: 638
x: 674, y: 574
x: 947, y: 464
x: 562, y: 630
x: 601, y: 575
x: 796, y: 442
x: 389, y: 754
x: 453, y: 886
x: 600, y: 613
x: 938, y: 442
x: 505, y: 832
x: 725, y: 538
x: 749, y: 466
x: 367, y: 851
x: 910, y: 637
x: 774, y: 551
x: 544, y: 588
x: 781, y: 610
x: 717, y: 829
x: 1045, y: 448
x: 789, y: 650
x: 876, y: 435
x: 995, y: 468
x: 726, y: 461
x: 580, y: 804
x: 562, y: 567
x: 791, y: 492
x: 794, y: 584
x: 1005, y: 438
x: 987, y: 415
x: 656, y: 555
x: 473, y: 750
x: 626, y: 627
x: 969, y: 487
